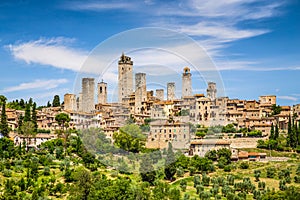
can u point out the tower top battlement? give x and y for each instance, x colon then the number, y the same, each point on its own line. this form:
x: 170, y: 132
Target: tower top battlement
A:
x: 125, y: 60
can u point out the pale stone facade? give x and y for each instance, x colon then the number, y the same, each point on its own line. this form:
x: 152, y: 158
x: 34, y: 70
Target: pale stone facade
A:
x: 140, y: 92
x: 70, y: 102
x: 88, y: 88
x: 171, y: 91
x: 125, y: 79
x: 162, y: 132
x: 186, y: 83
x: 160, y: 94
x: 201, y: 147
x: 211, y: 91
x: 102, y: 92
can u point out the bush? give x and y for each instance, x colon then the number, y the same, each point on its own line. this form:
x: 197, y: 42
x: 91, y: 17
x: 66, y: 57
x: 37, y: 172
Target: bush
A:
x: 46, y: 171
x: 271, y: 171
x: 297, y: 179
x: 7, y: 173
x: 227, y: 168
x: 244, y: 165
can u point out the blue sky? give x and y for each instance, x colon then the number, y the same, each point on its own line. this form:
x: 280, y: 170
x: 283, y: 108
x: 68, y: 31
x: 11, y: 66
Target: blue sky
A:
x: 254, y: 44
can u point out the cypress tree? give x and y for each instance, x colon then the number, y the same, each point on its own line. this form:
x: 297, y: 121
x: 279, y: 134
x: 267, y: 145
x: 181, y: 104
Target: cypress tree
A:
x: 272, y: 136
x: 27, y: 116
x: 34, y: 117
x: 170, y: 168
x: 276, y: 135
x: 4, y: 129
x: 20, y: 123
x: 56, y: 101
x: 289, y: 136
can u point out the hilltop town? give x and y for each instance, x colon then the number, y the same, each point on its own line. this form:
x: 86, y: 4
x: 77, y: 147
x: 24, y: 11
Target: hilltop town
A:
x: 166, y: 119
x: 168, y: 148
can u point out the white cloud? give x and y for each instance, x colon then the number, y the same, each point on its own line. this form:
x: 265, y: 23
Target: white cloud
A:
x: 219, y: 31
x: 37, y: 84
x: 53, y: 52
x: 291, y: 98
x: 99, y: 6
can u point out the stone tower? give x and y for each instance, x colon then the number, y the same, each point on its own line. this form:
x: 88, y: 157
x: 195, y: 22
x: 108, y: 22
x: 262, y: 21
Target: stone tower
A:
x: 125, y: 80
x: 79, y: 102
x: 70, y: 102
x: 211, y: 91
x: 102, y: 92
x: 160, y: 94
x: 140, y: 91
x: 88, y: 87
x: 186, y: 82
x: 171, y: 91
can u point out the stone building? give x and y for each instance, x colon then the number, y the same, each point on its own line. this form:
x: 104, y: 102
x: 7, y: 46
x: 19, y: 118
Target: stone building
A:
x: 88, y: 88
x: 70, y: 102
x: 162, y: 132
x: 140, y: 92
x: 171, y: 91
x: 201, y: 147
x: 267, y: 99
x: 125, y: 78
x: 211, y: 90
x: 102, y: 92
x: 186, y: 83
x: 160, y: 94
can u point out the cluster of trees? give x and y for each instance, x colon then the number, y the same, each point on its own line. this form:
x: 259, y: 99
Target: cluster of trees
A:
x: 280, y: 142
x: 21, y: 104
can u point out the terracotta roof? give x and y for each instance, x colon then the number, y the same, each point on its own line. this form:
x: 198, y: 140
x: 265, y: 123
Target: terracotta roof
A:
x: 243, y: 154
x: 253, y: 154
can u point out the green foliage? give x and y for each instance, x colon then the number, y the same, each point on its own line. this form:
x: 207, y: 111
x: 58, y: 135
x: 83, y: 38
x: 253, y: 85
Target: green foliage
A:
x: 130, y: 138
x: 255, y: 133
x: 205, y: 179
x: 62, y: 119
x: 183, y: 185
x: 147, y: 170
x: 170, y: 165
x: 7, y: 173
x: 183, y: 162
x: 184, y: 112
x: 271, y: 172
x: 4, y: 128
x: 276, y: 109
x: 56, y: 101
x: 257, y: 175
x: 180, y: 172
x: 7, y: 148
x: 211, y: 155
x: 46, y: 171
x: 201, y: 164
x: 227, y: 168
x: 229, y: 128
x: 244, y: 165
x: 200, y: 134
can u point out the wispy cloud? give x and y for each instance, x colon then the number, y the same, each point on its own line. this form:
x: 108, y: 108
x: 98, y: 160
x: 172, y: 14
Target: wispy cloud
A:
x: 53, y: 52
x: 99, y: 5
x: 37, y: 84
x: 291, y: 98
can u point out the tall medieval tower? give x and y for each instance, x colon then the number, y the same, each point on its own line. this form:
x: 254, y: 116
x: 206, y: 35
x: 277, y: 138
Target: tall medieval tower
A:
x: 125, y: 85
x: 102, y: 92
x: 140, y: 91
x: 70, y: 103
x: 186, y: 82
x: 88, y: 88
x: 171, y: 91
x: 211, y: 91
